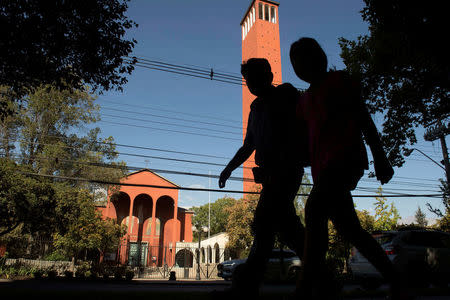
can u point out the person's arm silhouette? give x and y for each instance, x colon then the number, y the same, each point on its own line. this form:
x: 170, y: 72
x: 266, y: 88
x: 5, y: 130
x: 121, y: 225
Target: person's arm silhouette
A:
x: 241, y: 155
x: 383, y: 168
x: 239, y: 158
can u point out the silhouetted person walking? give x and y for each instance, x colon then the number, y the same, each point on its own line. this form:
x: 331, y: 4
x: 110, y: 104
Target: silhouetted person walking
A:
x: 273, y: 133
x: 337, y: 119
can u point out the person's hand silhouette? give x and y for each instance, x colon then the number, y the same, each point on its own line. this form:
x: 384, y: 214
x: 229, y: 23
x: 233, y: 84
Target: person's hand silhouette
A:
x: 223, y: 177
x: 383, y: 169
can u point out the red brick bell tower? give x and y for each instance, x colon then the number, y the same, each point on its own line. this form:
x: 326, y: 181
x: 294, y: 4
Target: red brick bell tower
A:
x: 260, y: 38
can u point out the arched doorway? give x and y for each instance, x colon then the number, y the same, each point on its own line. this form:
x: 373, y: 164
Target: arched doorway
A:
x: 184, y: 258
x: 121, y: 203
x: 142, y: 210
x: 164, y: 212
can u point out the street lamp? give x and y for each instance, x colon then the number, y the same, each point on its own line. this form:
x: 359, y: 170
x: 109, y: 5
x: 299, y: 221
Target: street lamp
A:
x: 199, y: 230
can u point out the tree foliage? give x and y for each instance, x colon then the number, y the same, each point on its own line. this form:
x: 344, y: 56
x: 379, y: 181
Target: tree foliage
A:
x: 218, y: 215
x: 85, y: 229
x: 24, y: 200
x: 444, y: 216
x: 65, y: 44
x: 386, y: 216
x: 45, y: 130
x: 238, y: 228
x: 403, y: 66
x: 420, y: 218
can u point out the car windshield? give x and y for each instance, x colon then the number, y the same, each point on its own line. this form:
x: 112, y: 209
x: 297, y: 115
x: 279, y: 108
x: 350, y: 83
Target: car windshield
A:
x: 384, y: 238
x: 429, y: 239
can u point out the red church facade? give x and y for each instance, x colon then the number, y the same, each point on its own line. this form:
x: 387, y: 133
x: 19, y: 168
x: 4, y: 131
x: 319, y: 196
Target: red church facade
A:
x: 154, y: 221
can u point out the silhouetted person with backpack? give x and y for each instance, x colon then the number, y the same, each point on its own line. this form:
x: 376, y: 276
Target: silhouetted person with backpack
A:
x: 337, y: 120
x: 273, y: 133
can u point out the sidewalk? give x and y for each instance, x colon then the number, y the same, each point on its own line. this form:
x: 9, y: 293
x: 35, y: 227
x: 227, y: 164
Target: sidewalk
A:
x: 164, y: 289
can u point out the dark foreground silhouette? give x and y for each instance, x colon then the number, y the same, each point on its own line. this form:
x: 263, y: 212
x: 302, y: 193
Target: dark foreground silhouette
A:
x: 336, y: 119
x: 273, y: 134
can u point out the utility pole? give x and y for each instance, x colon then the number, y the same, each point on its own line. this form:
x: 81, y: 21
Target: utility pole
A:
x: 440, y: 131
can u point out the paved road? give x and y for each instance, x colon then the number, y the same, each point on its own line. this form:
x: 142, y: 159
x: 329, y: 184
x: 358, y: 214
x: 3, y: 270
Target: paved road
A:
x: 164, y: 287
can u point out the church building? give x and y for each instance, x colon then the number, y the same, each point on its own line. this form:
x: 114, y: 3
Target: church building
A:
x: 154, y: 221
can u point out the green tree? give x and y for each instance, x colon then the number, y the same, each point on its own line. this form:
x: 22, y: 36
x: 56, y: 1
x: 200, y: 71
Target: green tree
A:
x: 403, y: 66
x: 420, y: 217
x: 240, y: 236
x: 24, y: 200
x: 48, y: 145
x: 45, y: 206
x: 64, y: 43
x: 85, y: 229
x: 366, y: 220
x: 386, y: 216
x: 9, y: 125
x: 218, y: 215
x: 444, y: 216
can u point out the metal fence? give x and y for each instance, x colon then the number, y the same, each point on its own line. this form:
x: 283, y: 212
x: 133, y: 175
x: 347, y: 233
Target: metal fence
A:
x: 157, y: 262
x: 150, y: 262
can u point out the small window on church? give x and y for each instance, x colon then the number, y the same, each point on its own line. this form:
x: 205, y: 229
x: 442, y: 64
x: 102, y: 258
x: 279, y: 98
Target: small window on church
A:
x: 273, y: 17
x: 158, y: 227
x: 260, y: 11
x: 253, y: 15
x: 266, y: 12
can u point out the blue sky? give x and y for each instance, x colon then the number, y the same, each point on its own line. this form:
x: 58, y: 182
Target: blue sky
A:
x: 207, y: 34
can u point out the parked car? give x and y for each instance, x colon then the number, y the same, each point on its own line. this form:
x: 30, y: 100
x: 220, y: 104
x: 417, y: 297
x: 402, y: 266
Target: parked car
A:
x: 283, y: 265
x: 423, y: 256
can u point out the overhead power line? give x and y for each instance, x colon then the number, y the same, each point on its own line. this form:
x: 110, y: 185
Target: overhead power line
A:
x: 104, y: 182
x: 171, y: 130
x: 156, y: 108
x: 397, y: 182
x: 172, y: 124
x: 188, y: 71
x: 164, y: 171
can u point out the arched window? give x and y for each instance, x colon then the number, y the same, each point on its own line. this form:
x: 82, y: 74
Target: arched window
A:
x: 203, y: 255
x: 134, y: 223
x: 217, y: 253
x: 158, y: 226
x: 148, y: 226
x: 209, y: 254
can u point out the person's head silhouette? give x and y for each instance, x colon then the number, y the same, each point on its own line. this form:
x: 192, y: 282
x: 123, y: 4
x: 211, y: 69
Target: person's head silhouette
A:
x: 308, y: 59
x: 258, y: 75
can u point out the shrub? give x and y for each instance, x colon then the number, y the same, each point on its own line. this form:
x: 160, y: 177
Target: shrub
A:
x: 82, y: 269
x: 68, y: 274
x: 56, y: 256
x: 129, y: 275
x: 80, y: 274
x: 119, y: 272
x: 37, y: 274
x: 51, y: 274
